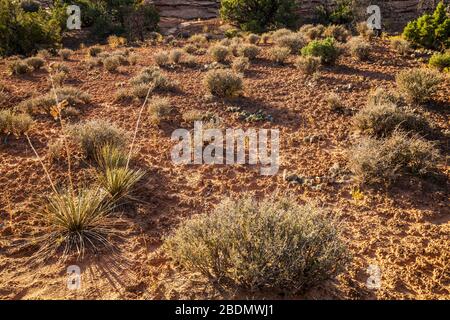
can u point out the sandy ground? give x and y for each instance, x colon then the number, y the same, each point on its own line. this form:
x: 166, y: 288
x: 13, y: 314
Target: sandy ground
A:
x: 404, y: 230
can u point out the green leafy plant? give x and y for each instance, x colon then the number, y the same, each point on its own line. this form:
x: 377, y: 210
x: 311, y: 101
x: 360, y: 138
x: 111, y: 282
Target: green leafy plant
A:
x: 339, y: 12
x: 325, y: 49
x: 259, y: 15
x: 430, y: 30
x: 440, y: 61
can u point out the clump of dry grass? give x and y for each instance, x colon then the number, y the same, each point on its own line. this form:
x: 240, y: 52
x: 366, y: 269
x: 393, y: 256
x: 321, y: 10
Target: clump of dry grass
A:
x: 95, y: 134
x: 190, y: 48
x: 65, y: 54
x: 15, y: 124
x: 381, y: 120
x: 312, y: 32
x: 382, y: 96
x: 279, y: 54
x: 115, y: 41
x: 400, y: 45
x: 308, y: 64
x: 359, y: 48
x: 240, y: 64
x: 272, y: 244
x: 199, y: 40
x: 364, y: 31
x: 384, y: 161
x: 338, y: 32
x: 334, y: 102
x: 218, y: 52
x: 223, y: 83
x: 418, y: 85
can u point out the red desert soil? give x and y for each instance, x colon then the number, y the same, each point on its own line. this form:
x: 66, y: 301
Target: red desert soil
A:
x: 405, y: 229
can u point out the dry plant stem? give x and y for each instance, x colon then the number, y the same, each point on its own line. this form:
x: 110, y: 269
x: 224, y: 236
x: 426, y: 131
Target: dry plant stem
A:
x: 42, y: 164
x: 66, y: 147
x: 138, y: 121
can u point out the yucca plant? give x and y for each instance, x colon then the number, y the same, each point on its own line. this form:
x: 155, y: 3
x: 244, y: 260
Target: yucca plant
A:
x: 120, y: 182
x: 110, y: 157
x: 78, y: 221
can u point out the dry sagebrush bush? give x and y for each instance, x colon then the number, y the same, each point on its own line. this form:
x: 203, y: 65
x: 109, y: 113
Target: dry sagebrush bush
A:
x: 73, y: 96
x: 364, y: 31
x: 308, y: 64
x: 249, y: 51
x: 382, y: 96
x: 218, y: 52
x: 158, y: 109
x: 35, y: 63
x: 154, y: 79
x: 199, y: 40
x: 115, y: 41
x: 383, y: 161
x: 190, y: 48
x: 293, y: 41
x: 65, y: 54
x: 334, y: 102
x: 253, y: 38
x: 280, y: 33
x: 381, y: 120
x: 338, y: 32
x: 400, y: 45
x: 17, y: 67
x: 418, y: 85
x: 161, y: 58
x: 240, y: 64
x: 223, y: 83
x: 359, y: 48
x: 77, y: 221
x: 93, y: 135
x: 279, y: 54
x: 272, y: 244
x: 312, y: 32
x: 15, y: 124
x: 175, y: 55
x: 94, y: 51
x: 111, y: 63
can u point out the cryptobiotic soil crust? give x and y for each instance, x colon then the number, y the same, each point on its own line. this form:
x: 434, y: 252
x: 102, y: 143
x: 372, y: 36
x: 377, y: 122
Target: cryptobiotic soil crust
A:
x: 404, y: 230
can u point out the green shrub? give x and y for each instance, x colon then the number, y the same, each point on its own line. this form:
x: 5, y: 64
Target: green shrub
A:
x: 383, y: 161
x: 273, y: 244
x: 325, y: 49
x: 223, y: 83
x: 259, y: 15
x: 119, y: 182
x: 111, y: 157
x: 418, y: 85
x: 338, y: 32
x: 440, y: 61
x: 25, y: 32
x: 381, y: 120
x: 341, y: 12
x: 77, y: 221
x: 95, y: 134
x: 430, y: 31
